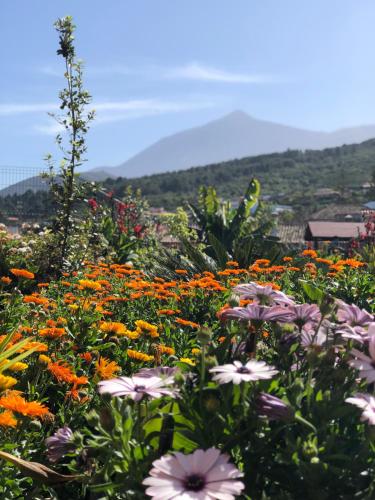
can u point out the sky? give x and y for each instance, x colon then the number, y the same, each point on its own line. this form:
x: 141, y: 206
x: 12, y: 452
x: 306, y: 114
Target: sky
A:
x: 156, y: 67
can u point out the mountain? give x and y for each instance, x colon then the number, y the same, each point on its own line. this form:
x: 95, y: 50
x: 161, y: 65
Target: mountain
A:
x: 235, y: 135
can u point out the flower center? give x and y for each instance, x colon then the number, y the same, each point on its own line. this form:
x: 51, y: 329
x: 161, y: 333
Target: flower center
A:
x: 195, y: 482
x: 139, y: 388
x: 242, y: 369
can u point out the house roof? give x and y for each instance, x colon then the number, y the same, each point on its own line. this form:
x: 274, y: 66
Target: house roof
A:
x: 334, y: 211
x: 370, y: 205
x: 290, y: 234
x: 332, y: 229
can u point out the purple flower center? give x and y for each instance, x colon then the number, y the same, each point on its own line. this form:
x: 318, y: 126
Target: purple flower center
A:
x: 195, y: 482
x: 243, y: 369
x: 139, y: 388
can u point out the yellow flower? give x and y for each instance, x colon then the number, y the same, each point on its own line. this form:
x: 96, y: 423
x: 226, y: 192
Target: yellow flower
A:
x: 195, y: 351
x: 18, y: 367
x: 139, y: 356
x: 44, y: 360
x: 113, y: 327
x: 188, y: 361
x: 6, y: 382
x: 144, y: 327
x: 89, y: 285
x: 105, y: 368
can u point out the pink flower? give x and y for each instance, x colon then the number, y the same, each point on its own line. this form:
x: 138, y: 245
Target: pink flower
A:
x: 136, y: 387
x: 304, y: 314
x: 264, y: 295
x: 237, y: 372
x: 365, y: 402
x: 202, y: 475
x: 353, y: 315
x: 256, y: 313
x: 365, y: 364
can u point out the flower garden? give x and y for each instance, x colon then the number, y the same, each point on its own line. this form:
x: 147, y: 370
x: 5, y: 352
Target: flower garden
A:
x: 249, y: 383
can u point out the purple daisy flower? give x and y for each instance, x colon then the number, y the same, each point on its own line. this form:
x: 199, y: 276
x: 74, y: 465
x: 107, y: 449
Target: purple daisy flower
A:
x: 365, y: 402
x: 365, y: 364
x: 263, y: 295
x: 202, y: 475
x: 305, y: 315
x: 136, y: 387
x: 237, y: 372
x: 353, y: 315
x: 273, y: 408
x: 59, y: 444
x: 256, y: 313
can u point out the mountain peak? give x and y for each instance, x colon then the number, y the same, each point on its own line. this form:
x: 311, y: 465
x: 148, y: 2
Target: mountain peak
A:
x: 237, y: 114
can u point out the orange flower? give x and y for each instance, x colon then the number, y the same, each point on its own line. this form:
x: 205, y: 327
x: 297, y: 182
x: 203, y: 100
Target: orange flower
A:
x: 5, y: 280
x: 163, y: 349
x: 287, y: 259
x: 181, y: 271
x: 35, y: 299
x: 89, y: 285
x: 43, y: 285
x: 262, y: 262
x: 14, y: 402
x: 168, y: 312
x: 87, y: 356
x: 22, y: 273
x: 323, y: 261
x: 105, y: 368
x: 37, y: 346
x: 7, y: 419
x: 309, y: 253
x: 113, y: 327
x: 139, y: 356
x: 61, y: 371
x: 185, y: 322
x: 52, y: 333
x: 232, y: 263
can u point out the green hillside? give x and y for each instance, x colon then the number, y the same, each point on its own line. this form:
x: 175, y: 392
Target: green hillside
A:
x: 289, y: 178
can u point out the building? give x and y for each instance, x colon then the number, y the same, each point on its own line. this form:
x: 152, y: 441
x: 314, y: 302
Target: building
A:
x: 337, y: 233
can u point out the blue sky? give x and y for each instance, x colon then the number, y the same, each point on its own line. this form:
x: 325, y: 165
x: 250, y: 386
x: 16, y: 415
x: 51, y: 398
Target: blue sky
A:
x: 155, y: 67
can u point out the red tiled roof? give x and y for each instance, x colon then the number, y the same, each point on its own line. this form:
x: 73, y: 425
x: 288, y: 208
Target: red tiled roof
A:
x: 332, y: 230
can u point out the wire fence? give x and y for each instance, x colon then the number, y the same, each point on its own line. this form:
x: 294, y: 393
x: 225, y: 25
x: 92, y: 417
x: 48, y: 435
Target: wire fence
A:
x: 17, y: 201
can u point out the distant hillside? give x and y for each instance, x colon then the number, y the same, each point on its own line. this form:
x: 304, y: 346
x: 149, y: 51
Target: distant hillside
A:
x: 236, y: 135
x: 291, y: 178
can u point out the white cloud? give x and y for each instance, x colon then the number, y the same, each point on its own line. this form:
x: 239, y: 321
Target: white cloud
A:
x: 196, y: 71
x: 190, y: 71
x: 115, y: 111
x: 16, y: 109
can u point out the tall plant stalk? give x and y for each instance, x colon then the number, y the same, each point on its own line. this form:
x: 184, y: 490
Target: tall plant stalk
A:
x: 75, y: 122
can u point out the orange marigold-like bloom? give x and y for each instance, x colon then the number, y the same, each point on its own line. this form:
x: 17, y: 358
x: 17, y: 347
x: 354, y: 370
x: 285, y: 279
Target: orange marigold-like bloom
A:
x: 87, y: 356
x: 262, y: 262
x: 168, y: 312
x: 323, y: 261
x: 89, y: 285
x: 43, y: 285
x: 232, y: 263
x: 6, y: 280
x: 14, y: 402
x: 35, y: 299
x: 309, y: 253
x: 287, y: 259
x: 7, y: 419
x: 181, y: 271
x: 23, y: 273
x: 163, y: 349
x: 144, y: 327
x: 185, y: 322
x: 139, y: 356
x: 61, y: 371
x: 351, y: 263
x: 105, y: 368
x: 37, y: 346
x: 52, y: 333
x: 113, y: 327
